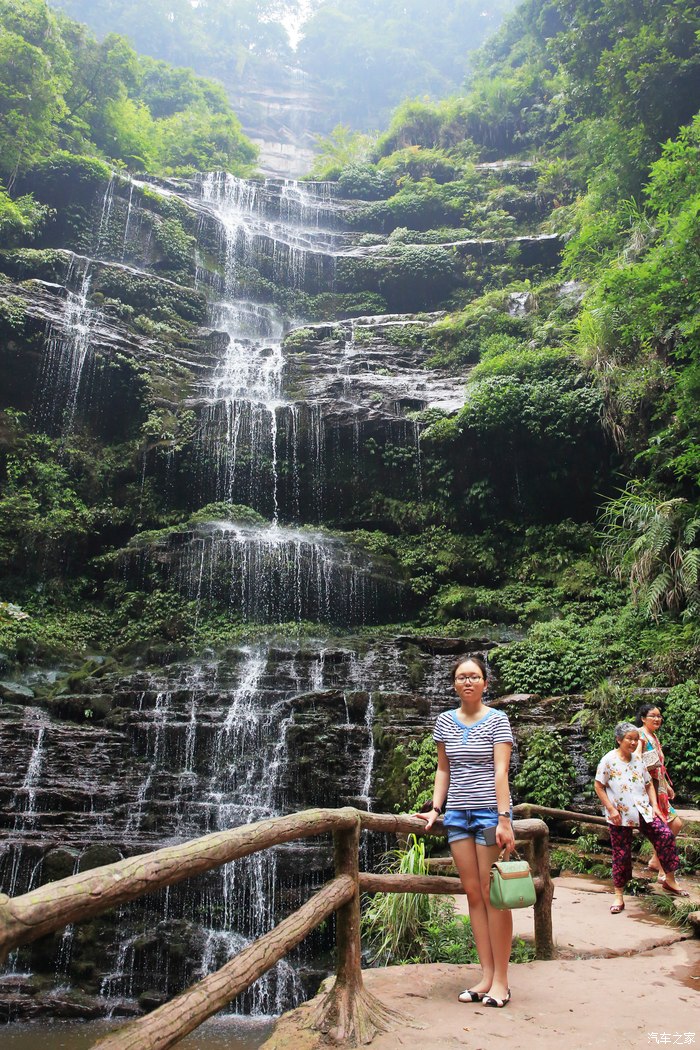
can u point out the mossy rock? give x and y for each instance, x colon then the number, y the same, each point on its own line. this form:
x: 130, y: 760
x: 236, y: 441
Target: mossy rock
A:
x: 81, y: 707
x: 97, y: 855
x: 58, y: 864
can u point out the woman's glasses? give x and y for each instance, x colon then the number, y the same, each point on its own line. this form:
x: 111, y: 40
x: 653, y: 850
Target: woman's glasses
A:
x: 468, y: 678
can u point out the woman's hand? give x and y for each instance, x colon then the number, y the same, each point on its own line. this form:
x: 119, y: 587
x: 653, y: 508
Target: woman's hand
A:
x: 615, y: 817
x: 430, y: 817
x: 505, y: 839
x: 671, y: 792
x: 659, y: 814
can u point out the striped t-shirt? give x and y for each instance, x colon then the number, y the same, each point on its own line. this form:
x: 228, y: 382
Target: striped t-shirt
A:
x: 469, y: 751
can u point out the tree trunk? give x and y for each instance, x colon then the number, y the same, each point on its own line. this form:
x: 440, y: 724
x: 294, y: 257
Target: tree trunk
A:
x: 348, y: 1014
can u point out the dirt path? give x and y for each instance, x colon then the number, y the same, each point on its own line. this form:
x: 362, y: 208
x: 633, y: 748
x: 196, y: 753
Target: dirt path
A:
x: 626, y: 981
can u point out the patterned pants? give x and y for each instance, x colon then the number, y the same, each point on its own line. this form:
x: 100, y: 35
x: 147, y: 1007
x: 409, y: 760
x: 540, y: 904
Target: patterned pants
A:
x: 661, y: 838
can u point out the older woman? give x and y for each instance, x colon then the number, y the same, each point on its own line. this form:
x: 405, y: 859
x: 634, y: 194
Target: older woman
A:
x: 649, y: 719
x: 474, y: 744
x: 628, y: 797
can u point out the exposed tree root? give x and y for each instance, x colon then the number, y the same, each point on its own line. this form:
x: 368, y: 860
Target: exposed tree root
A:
x: 353, y: 1017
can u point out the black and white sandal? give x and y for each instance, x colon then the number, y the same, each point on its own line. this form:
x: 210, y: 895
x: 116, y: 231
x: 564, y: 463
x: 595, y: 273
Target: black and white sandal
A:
x: 468, y: 996
x: 491, y: 1000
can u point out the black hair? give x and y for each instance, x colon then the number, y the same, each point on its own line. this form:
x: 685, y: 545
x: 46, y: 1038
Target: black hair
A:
x: 644, y: 711
x: 478, y: 660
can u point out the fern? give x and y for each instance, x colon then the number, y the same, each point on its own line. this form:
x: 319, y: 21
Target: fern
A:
x: 651, y: 542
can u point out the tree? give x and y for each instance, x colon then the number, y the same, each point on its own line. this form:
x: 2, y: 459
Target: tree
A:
x: 341, y: 149
x: 31, y: 104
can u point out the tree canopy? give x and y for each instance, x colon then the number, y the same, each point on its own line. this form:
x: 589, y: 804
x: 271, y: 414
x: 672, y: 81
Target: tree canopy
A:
x: 61, y: 88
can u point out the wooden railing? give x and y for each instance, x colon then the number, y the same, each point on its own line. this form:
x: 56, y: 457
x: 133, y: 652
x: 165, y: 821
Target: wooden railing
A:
x: 528, y: 809
x: 347, y: 1012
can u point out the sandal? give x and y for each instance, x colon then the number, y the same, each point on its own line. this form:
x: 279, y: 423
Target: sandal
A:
x: 491, y: 1000
x: 615, y: 909
x: 675, y: 891
x: 468, y: 996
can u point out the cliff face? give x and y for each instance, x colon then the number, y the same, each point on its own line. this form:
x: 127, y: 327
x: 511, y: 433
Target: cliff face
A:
x: 158, y: 334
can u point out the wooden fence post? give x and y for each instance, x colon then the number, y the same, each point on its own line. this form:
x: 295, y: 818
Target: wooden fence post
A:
x: 544, y: 940
x: 348, y: 1014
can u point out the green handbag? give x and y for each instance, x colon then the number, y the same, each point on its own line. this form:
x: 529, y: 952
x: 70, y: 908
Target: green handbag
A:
x: 511, y: 884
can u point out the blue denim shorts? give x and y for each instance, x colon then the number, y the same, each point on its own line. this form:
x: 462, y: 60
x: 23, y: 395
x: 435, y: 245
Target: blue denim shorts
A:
x: 469, y: 823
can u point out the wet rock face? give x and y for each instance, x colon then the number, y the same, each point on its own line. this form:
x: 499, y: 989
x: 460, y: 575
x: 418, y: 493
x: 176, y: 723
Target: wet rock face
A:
x: 157, y: 313
x: 192, y: 749
x: 370, y: 369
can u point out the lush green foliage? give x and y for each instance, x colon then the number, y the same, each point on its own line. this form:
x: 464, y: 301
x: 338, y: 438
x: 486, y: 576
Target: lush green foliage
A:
x: 393, y: 923
x: 61, y: 88
x: 343, y: 151
x: 681, y: 710
x: 653, y: 543
x: 20, y: 218
x: 43, y: 519
x: 420, y: 773
x: 639, y: 326
x: 547, y: 775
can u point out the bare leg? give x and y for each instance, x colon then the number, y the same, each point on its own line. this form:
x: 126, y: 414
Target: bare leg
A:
x: 500, y: 925
x: 464, y: 854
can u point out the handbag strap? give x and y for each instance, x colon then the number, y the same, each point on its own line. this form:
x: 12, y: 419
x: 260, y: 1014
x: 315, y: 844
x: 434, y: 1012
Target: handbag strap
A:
x: 513, y: 855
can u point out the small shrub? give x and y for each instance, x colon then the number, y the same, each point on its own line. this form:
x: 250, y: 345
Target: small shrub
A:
x: 420, y: 772
x: 547, y: 777
x: 393, y: 923
x: 557, y: 657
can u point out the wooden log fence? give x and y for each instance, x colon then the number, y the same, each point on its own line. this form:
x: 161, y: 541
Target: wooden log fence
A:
x: 348, y: 1014
x: 527, y: 809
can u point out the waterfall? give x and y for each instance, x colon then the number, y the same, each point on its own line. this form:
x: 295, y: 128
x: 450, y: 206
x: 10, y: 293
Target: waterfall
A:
x: 244, y: 733
x: 35, y: 719
x: 64, y: 376
x: 241, y: 402
x: 105, y: 216
x: 276, y: 574
x: 250, y: 434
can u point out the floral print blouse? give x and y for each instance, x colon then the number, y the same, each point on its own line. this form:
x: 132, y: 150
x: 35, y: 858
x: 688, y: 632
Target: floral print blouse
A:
x: 625, y: 785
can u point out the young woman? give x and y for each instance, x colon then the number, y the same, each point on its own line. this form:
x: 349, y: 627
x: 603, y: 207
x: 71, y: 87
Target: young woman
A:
x: 474, y: 745
x: 649, y: 749
x: 628, y: 797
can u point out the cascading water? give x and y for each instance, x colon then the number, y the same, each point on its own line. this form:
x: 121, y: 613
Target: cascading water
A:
x: 223, y: 742
x: 270, y: 435
x: 66, y: 368
x: 282, y: 228
x: 248, y: 426
x: 276, y: 574
x: 238, y: 432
